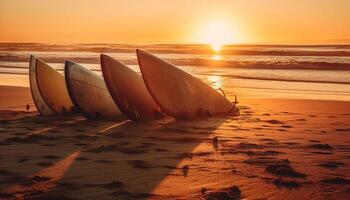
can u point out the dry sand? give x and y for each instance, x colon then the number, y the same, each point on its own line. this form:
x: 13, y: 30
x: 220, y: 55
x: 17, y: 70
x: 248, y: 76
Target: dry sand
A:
x: 276, y: 149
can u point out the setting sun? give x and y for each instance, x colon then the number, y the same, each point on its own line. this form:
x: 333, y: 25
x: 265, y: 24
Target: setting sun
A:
x: 217, y: 33
x: 216, y: 46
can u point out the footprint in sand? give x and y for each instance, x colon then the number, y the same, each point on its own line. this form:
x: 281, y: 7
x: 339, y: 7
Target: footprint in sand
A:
x: 343, y: 129
x: 331, y: 165
x: 286, y: 184
x: 44, y: 164
x: 267, y: 139
x: 82, y: 159
x: 233, y: 193
x: 286, y: 126
x: 140, y: 164
x: 215, y: 142
x: 272, y: 121
x: 185, y: 170
x: 321, y: 146
x: 284, y: 169
x: 114, y: 185
x: 265, y: 161
x: 51, y: 157
x: 103, y: 161
x: 315, y: 141
x: 22, y: 160
x: 161, y: 150
x: 336, y: 181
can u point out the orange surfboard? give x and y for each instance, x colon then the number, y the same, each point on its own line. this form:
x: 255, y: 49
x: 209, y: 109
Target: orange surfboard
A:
x: 52, y: 87
x: 89, y: 93
x: 178, y: 93
x: 129, y: 91
x: 39, y: 101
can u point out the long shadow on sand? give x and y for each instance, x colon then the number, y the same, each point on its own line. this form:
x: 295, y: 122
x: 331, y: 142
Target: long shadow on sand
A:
x: 124, y: 159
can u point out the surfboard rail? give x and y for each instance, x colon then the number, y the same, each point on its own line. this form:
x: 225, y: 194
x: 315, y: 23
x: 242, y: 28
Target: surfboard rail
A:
x: 38, y: 100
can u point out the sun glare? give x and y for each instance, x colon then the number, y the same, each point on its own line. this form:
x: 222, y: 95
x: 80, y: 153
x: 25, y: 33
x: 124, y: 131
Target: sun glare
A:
x: 216, y: 47
x: 216, y: 57
x: 217, y: 34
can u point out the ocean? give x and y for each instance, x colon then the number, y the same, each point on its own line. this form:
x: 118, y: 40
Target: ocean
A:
x: 257, y: 71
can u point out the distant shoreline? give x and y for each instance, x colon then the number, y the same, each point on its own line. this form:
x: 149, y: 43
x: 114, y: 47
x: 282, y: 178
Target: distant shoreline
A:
x: 183, y: 44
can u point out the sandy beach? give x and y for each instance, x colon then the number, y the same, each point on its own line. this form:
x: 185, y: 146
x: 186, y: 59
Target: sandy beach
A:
x: 174, y: 100
x: 276, y: 149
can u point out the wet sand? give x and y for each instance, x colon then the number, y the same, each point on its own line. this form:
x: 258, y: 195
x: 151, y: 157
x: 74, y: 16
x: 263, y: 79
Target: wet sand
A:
x: 276, y: 149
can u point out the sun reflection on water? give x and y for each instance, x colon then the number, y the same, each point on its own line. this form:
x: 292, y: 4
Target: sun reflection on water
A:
x: 215, y: 81
x: 216, y: 57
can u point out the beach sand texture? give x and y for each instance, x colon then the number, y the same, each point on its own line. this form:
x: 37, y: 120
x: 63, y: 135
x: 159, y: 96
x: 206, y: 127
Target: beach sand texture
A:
x: 276, y: 149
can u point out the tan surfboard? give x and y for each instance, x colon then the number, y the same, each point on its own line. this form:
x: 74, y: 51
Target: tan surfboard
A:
x: 128, y: 90
x: 178, y: 93
x: 52, y: 87
x: 39, y: 102
x: 89, y: 93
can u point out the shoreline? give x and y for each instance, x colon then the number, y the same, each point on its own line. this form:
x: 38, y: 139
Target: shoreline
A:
x: 17, y: 97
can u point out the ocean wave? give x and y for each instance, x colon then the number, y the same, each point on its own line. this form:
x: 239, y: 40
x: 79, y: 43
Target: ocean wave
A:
x: 306, y: 76
x: 265, y: 64
x: 286, y: 79
x: 299, y: 90
x: 272, y: 64
x: 272, y: 50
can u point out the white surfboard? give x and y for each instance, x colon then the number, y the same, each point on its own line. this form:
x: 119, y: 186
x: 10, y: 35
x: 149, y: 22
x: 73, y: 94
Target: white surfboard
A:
x: 52, y: 87
x: 178, y: 93
x: 89, y: 93
x: 39, y: 102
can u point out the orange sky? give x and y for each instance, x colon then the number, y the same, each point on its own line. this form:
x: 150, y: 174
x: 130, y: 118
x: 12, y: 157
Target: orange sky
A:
x: 177, y: 21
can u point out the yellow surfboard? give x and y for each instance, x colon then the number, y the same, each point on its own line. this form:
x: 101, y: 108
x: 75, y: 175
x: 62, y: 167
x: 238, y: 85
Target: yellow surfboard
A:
x: 89, y: 93
x: 178, y: 93
x: 39, y: 102
x: 53, y: 88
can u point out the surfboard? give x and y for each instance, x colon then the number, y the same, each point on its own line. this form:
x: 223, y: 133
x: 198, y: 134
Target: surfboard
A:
x: 178, y: 93
x: 52, y: 87
x: 128, y: 90
x: 89, y: 93
x: 39, y: 102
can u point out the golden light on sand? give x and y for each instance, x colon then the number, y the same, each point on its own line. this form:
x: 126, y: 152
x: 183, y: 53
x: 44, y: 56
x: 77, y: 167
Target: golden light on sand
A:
x: 54, y: 174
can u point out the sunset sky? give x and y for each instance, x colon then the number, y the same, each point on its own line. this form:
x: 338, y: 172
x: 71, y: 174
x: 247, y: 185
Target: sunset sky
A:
x: 177, y: 21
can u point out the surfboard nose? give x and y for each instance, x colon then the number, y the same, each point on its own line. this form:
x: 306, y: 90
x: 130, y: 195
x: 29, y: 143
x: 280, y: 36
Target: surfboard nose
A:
x: 103, y: 56
x: 106, y: 60
x: 141, y: 55
x: 67, y: 65
x: 32, y: 57
x: 146, y: 60
x: 139, y: 51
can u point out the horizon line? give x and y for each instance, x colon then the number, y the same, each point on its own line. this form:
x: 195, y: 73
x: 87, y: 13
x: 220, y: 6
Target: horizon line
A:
x: 179, y: 43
